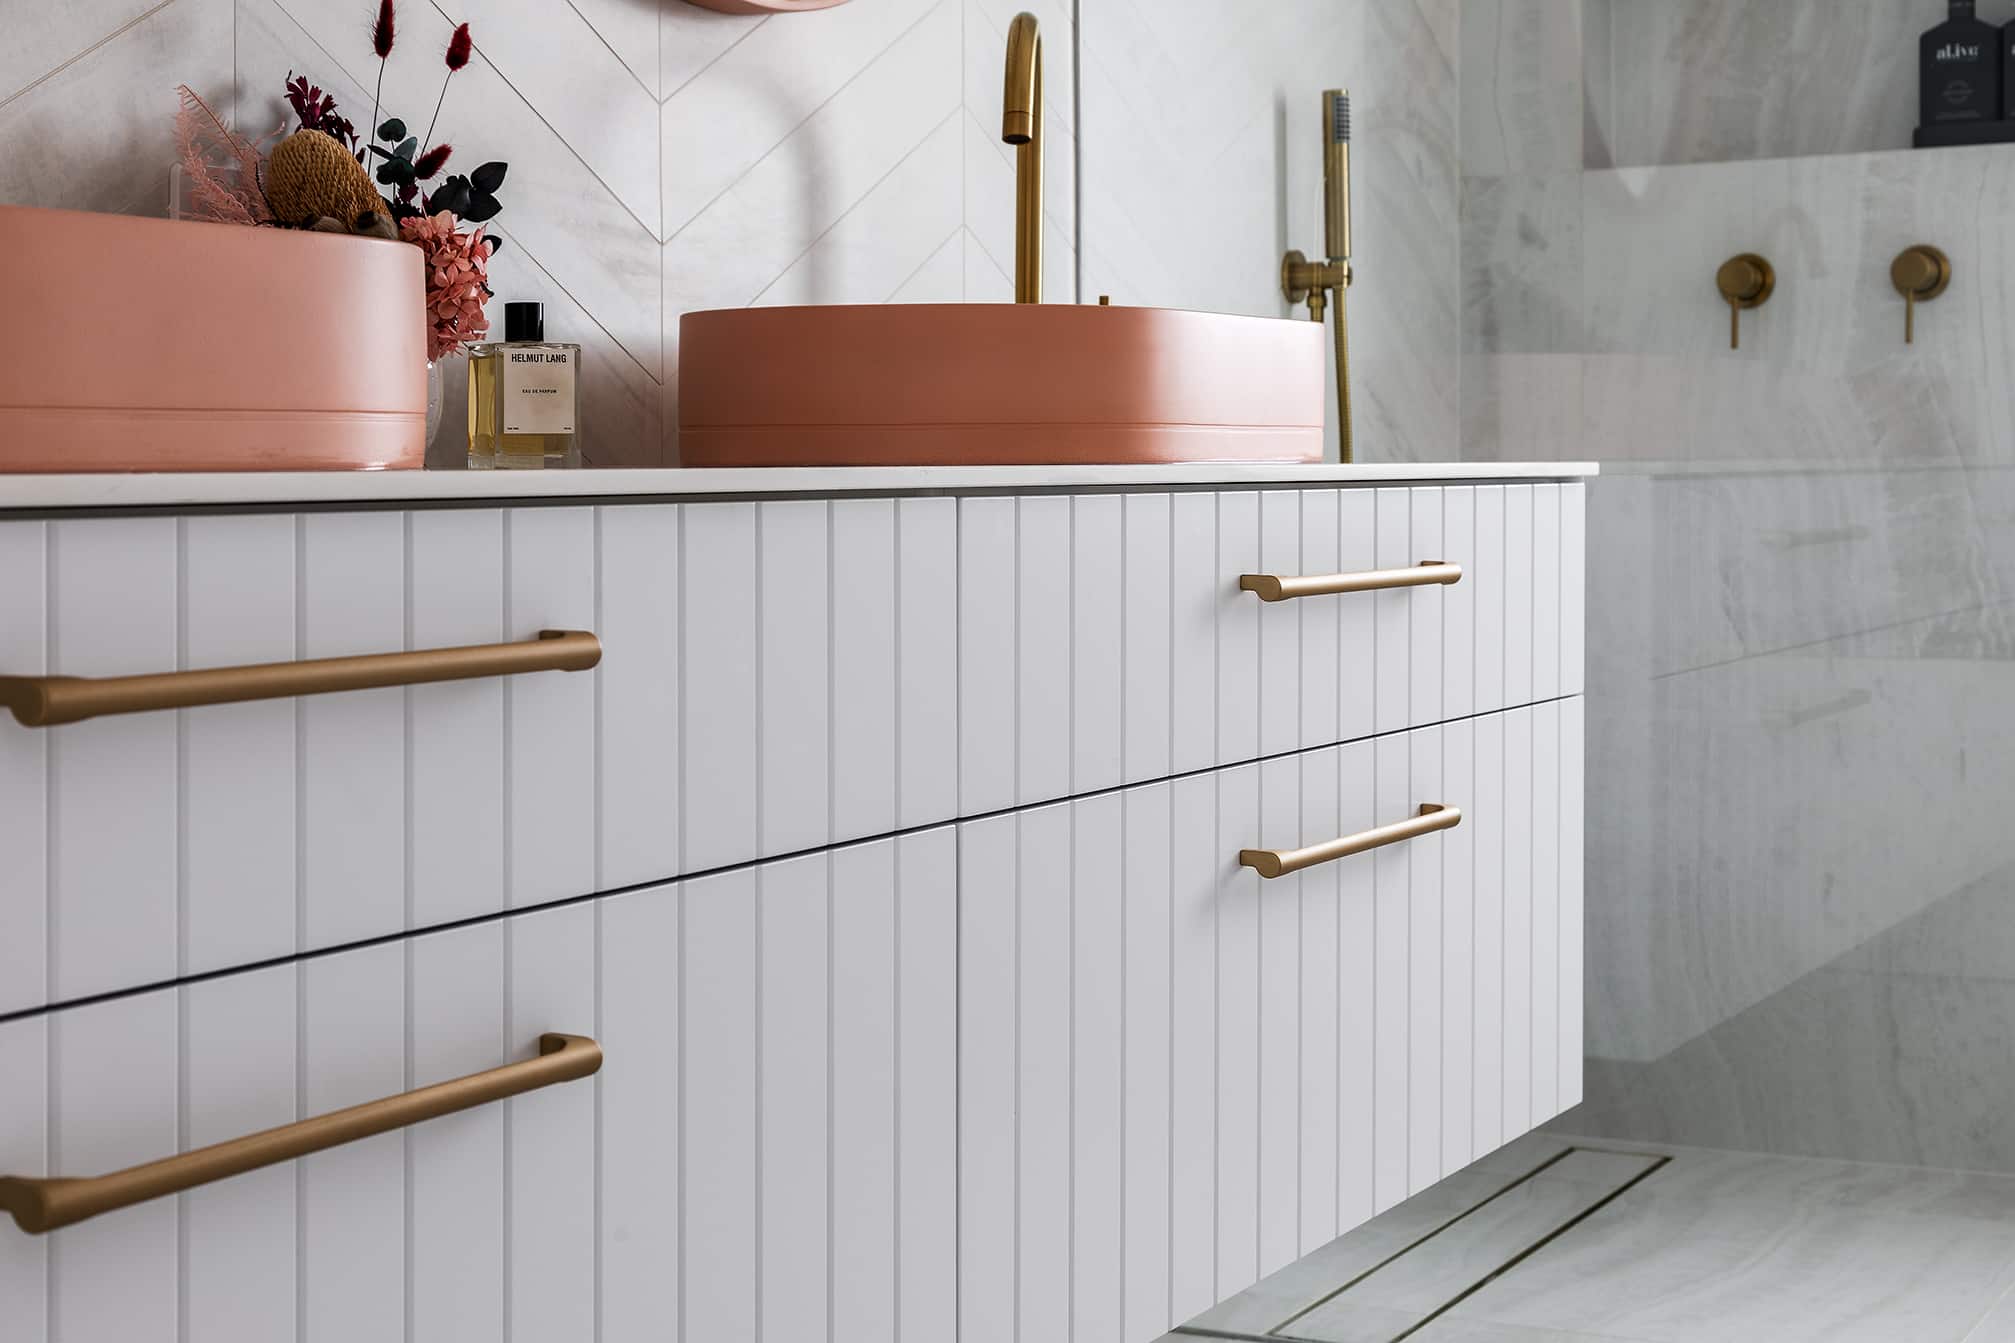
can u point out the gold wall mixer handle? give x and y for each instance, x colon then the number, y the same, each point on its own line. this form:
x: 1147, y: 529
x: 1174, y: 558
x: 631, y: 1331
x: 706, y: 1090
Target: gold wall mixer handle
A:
x: 1271, y: 863
x: 1745, y: 282
x: 45, y: 701
x: 1920, y: 274
x: 44, y: 1204
x: 1275, y: 588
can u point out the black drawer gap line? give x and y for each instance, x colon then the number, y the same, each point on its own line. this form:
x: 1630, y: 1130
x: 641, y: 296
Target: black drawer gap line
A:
x: 562, y: 902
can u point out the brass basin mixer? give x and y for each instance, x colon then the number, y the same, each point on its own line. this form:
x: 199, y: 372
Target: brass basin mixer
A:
x: 1315, y: 281
x: 1021, y: 126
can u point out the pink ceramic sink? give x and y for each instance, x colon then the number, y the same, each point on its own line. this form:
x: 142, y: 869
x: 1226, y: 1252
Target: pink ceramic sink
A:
x: 970, y: 384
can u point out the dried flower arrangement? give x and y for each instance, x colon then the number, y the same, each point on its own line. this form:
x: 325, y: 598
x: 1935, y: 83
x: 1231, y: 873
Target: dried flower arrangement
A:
x: 320, y: 177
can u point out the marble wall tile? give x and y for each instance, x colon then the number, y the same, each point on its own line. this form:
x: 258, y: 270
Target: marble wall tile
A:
x: 1799, y: 804
x: 1714, y: 80
x: 1522, y: 265
x: 1521, y: 90
x: 1904, y: 1068
x: 1522, y: 407
x: 1759, y: 562
x: 1806, y: 557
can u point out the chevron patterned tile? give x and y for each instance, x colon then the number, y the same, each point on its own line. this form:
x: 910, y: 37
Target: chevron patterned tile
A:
x: 64, y: 33
x: 941, y: 278
x: 592, y: 99
x: 578, y: 230
x: 630, y: 27
x: 879, y: 243
x: 691, y: 39
x: 94, y: 129
x: 732, y: 115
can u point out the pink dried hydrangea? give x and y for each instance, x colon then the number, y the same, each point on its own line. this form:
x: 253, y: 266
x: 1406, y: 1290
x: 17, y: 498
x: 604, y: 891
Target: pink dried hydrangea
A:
x: 457, y: 281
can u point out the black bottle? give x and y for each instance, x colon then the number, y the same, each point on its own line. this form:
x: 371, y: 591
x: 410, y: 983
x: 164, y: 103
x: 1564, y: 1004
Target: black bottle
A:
x: 2008, y: 73
x: 1959, y: 70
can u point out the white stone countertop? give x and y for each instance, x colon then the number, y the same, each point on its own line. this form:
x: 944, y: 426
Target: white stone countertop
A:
x: 227, y: 489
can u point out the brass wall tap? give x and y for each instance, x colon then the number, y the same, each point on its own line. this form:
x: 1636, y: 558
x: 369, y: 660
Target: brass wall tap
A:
x: 1021, y: 126
x: 1920, y: 274
x: 1745, y: 282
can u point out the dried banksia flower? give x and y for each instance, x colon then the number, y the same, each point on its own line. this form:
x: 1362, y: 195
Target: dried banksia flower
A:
x: 432, y: 162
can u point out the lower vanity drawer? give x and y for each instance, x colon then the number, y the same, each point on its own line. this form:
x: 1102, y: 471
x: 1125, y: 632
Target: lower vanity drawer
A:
x: 1177, y: 1077
x: 770, y: 1136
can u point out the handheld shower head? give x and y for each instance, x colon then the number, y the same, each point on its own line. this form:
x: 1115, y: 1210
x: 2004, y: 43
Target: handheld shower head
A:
x: 1336, y: 173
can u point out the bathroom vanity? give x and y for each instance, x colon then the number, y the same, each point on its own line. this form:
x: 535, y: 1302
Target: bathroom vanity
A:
x: 901, y: 855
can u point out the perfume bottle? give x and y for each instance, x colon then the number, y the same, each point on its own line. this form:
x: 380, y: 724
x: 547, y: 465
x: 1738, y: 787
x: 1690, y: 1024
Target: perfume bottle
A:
x: 524, y: 396
x: 1959, y: 69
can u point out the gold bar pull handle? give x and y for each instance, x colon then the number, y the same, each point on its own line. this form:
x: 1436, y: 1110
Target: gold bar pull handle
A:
x: 1274, y: 588
x: 41, y: 1205
x: 1271, y: 863
x: 45, y: 701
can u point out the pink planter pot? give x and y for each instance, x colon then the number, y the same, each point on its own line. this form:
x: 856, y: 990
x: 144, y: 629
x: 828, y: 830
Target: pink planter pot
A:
x: 152, y: 345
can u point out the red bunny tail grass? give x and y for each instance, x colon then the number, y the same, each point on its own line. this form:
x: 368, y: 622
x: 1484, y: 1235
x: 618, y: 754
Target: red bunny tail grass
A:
x: 382, y: 30
x: 459, y: 47
x: 432, y: 162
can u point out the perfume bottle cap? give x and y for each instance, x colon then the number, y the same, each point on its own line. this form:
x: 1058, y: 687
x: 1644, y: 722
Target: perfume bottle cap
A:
x: 524, y: 321
x: 1962, y: 9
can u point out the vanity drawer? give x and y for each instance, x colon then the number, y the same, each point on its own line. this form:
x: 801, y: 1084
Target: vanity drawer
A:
x: 1177, y: 1077
x: 1105, y: 640
x: 776, y: 676
x: 771, y: 1133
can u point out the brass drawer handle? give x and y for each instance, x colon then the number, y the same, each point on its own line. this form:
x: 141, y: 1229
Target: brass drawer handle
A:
x: 42, y: 1205
x: 44, y: 701
x: 1273, y: 588
x: 1272, y: 863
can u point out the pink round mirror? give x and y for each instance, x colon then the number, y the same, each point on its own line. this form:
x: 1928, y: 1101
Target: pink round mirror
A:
x: 766, y: 6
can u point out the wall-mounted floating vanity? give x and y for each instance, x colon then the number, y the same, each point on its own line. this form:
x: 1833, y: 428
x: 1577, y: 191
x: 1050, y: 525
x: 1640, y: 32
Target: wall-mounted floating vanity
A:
x: 895, y: 840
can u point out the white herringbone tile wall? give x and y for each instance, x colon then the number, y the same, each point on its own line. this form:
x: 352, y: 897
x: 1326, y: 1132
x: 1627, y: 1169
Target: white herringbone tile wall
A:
x: 666, y: 158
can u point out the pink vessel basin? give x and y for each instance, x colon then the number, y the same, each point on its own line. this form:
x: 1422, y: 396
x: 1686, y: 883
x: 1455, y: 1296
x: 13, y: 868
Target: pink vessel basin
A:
x: 152, y: 345
x: 995, y: 384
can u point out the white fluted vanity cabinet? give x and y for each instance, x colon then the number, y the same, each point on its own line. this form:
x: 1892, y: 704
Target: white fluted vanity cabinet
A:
x: 889, y: 854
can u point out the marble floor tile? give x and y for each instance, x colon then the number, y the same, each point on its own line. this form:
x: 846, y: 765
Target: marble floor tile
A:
x: 1998, y: 1325
x: 1714, y: 1247
x: 1673, y: 1268
x: 1449, y: 1329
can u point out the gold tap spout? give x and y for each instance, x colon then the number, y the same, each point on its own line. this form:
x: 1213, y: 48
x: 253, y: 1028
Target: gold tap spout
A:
x: 1021, y: 126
